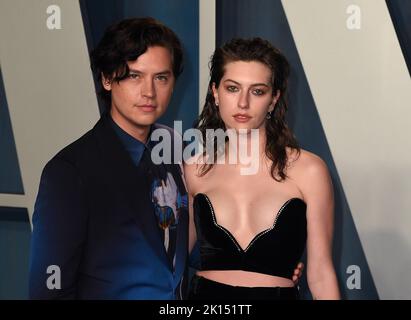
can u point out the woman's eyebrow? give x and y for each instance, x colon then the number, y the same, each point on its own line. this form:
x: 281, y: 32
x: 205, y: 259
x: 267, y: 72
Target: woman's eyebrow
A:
x: 253, y: 85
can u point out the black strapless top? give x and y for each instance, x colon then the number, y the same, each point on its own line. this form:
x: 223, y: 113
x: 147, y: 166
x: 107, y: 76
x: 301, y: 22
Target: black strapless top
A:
x: 274, y: 251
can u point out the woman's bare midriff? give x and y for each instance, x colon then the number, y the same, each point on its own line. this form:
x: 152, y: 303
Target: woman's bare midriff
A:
x: 245, y: 278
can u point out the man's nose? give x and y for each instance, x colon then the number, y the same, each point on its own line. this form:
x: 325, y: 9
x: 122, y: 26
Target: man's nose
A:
x: 148, y: 89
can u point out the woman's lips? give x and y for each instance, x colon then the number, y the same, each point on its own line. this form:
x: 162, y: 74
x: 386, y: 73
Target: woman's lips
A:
x: 241, y: 118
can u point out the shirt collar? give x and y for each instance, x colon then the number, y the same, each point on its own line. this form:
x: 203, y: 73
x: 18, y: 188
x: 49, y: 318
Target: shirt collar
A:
x: 133, y: 146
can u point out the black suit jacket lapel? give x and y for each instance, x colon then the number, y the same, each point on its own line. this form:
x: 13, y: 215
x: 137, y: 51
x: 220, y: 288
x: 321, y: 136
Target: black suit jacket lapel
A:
x: 131, y: 182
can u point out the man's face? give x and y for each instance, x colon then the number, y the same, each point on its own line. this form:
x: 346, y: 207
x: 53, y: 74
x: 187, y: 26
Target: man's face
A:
x: 140, y: 99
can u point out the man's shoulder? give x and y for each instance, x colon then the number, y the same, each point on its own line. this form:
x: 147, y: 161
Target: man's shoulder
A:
x: 79, y: 150
x: 78, y: 146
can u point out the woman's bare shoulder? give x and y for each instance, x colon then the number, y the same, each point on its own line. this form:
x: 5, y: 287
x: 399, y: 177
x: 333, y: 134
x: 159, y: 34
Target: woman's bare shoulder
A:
x: 308, y: 168
x: 305, y: 160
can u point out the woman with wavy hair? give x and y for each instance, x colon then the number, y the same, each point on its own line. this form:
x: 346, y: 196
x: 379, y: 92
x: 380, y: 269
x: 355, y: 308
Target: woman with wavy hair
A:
x: 253, y: 226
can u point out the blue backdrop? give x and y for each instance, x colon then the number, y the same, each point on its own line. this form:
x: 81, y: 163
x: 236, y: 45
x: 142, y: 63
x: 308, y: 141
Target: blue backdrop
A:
x: 234, y: 18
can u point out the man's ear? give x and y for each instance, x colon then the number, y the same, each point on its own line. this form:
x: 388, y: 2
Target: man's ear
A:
x: 215, y: 94
x: 105, y: 82
x: 274, y: 101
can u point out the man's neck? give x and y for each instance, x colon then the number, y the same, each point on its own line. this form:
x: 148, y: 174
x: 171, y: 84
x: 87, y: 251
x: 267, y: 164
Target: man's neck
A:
x: 137, y: 132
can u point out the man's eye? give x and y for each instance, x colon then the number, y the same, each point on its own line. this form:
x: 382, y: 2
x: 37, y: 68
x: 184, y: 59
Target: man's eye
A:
x: 232, y: 88
x: 162, y: 78
x: 134, y: 76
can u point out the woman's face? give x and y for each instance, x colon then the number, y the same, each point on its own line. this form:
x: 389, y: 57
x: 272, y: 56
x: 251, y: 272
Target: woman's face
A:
x: 244, y: 96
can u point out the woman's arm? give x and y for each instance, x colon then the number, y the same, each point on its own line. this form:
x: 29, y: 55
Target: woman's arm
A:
x: 190, y: 180
x: 318, y: 193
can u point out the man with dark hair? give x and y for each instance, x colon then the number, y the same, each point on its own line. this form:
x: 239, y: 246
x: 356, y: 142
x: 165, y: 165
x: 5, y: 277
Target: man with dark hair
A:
x: 111, y: 222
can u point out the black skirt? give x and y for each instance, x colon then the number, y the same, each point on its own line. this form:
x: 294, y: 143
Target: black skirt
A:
x: 205, y: 289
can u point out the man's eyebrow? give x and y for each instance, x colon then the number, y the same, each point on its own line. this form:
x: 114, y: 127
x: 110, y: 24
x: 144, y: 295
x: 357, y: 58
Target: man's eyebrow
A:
x: 164, y: 72
x: 157, y: 73
x: 253, y: 85
x: 135, y: 70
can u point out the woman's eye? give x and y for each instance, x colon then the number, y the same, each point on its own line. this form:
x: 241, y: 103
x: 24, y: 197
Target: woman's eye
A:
x: 232, y: 88
x: 258, y: 92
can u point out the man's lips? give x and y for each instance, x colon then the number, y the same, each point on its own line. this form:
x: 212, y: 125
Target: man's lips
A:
x: 147, y: 107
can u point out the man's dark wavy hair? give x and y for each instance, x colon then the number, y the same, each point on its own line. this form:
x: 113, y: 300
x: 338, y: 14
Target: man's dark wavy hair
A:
x: 279, y: 136
x: 126, y: 41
